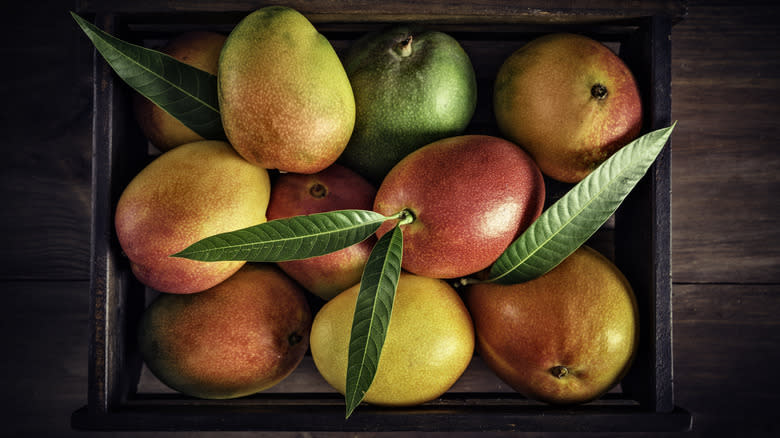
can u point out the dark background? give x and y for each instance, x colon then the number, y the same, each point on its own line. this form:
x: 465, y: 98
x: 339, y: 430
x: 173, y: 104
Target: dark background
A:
x: 725, y: 226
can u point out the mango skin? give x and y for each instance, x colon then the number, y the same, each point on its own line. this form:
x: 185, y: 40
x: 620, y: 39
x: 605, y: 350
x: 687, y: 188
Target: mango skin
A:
x: 240, y: 337
x: 199, y: 49
x: 335, y: 188
x: 470, y: 196
x: 582, y: 315
x: 285, y: 99
x: 429, y: 342
x: 405, y: 100
x: 543, y: 102
x: 186, y: 194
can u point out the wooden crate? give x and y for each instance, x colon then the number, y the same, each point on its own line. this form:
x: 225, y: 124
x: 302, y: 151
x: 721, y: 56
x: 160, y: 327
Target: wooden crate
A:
x: 122, y: 395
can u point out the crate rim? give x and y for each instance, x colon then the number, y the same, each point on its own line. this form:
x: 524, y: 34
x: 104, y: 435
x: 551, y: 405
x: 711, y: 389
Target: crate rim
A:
x: 528, y: 11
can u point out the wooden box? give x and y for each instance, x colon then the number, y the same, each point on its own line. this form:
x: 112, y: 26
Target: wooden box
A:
x: 122, y: 395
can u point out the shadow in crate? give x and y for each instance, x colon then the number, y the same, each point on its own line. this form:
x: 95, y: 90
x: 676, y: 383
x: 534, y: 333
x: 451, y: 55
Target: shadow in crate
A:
x: 123, y: 395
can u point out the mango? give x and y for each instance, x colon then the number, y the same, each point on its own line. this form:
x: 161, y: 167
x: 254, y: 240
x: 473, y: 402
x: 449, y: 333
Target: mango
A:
x: 429, y: 342
x: 412, y: 86
x: 285, y: 100
x: 470, y: 196
x: 569, y: 101
x: 564, y: 338
x: 184, y: 195
x: 199, y: 49
x: 240, y: 337
x: 335, y: 188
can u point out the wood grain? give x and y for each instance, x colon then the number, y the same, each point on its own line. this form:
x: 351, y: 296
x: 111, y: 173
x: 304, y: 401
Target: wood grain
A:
x: 725, y: 159
x: 45, y: 357
x: 444, y: 10
x: 725, y: 337
x: 46, y: 146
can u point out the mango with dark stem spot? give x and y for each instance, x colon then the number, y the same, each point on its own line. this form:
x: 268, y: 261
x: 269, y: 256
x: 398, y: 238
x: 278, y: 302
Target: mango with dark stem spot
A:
x: 566, y: 337
x: 570, y: 101
x: 335, y: 188
x: 240, y: 337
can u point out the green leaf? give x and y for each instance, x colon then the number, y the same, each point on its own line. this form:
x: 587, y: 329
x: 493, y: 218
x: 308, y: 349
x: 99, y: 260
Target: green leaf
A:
x: 185, y: 92
x: 291, y: 238
x: 372, y: 315
x: 576, y: 216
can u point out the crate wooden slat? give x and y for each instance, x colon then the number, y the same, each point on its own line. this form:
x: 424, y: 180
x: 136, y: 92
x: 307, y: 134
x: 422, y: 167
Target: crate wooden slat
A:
x: 638, y: 238
x: 483, y: 11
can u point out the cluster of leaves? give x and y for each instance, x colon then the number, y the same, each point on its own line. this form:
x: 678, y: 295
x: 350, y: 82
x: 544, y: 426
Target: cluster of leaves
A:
x: 190, y: 95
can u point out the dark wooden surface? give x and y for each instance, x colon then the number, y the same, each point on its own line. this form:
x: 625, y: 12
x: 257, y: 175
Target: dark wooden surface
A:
x: 725, y: 226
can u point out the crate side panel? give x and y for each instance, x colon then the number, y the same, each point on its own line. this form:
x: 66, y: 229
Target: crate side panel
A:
x: 115, y: 298
x: 643, y: 227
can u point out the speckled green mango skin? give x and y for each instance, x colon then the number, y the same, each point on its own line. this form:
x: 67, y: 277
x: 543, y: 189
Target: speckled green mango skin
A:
x: 405, y: 102
x: 285, y: 100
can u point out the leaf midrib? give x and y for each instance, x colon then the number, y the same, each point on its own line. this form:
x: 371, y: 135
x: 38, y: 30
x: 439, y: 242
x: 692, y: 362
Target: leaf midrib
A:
x: 282, y: 240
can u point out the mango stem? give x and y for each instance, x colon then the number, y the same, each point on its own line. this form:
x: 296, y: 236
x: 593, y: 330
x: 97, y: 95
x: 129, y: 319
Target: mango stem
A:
x: 404, y: 47
x: 318, y: 190
x: 559, y: 371
x: 406, y: 216
x: 294, y: 338
x: 599, y: 91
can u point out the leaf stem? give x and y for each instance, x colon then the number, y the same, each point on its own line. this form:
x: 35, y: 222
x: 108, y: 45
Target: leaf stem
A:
x: 404, y: 47
x: 405, y: 216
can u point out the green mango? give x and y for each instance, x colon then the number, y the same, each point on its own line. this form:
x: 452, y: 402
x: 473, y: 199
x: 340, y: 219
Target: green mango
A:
x: 412, y: 86
x: 285, y: 100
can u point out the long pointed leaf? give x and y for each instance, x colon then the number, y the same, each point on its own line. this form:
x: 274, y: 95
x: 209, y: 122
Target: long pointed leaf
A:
x: 576, y: 216
x: 186, y: 92
x: 372, y: 315
x: 291, y: 238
